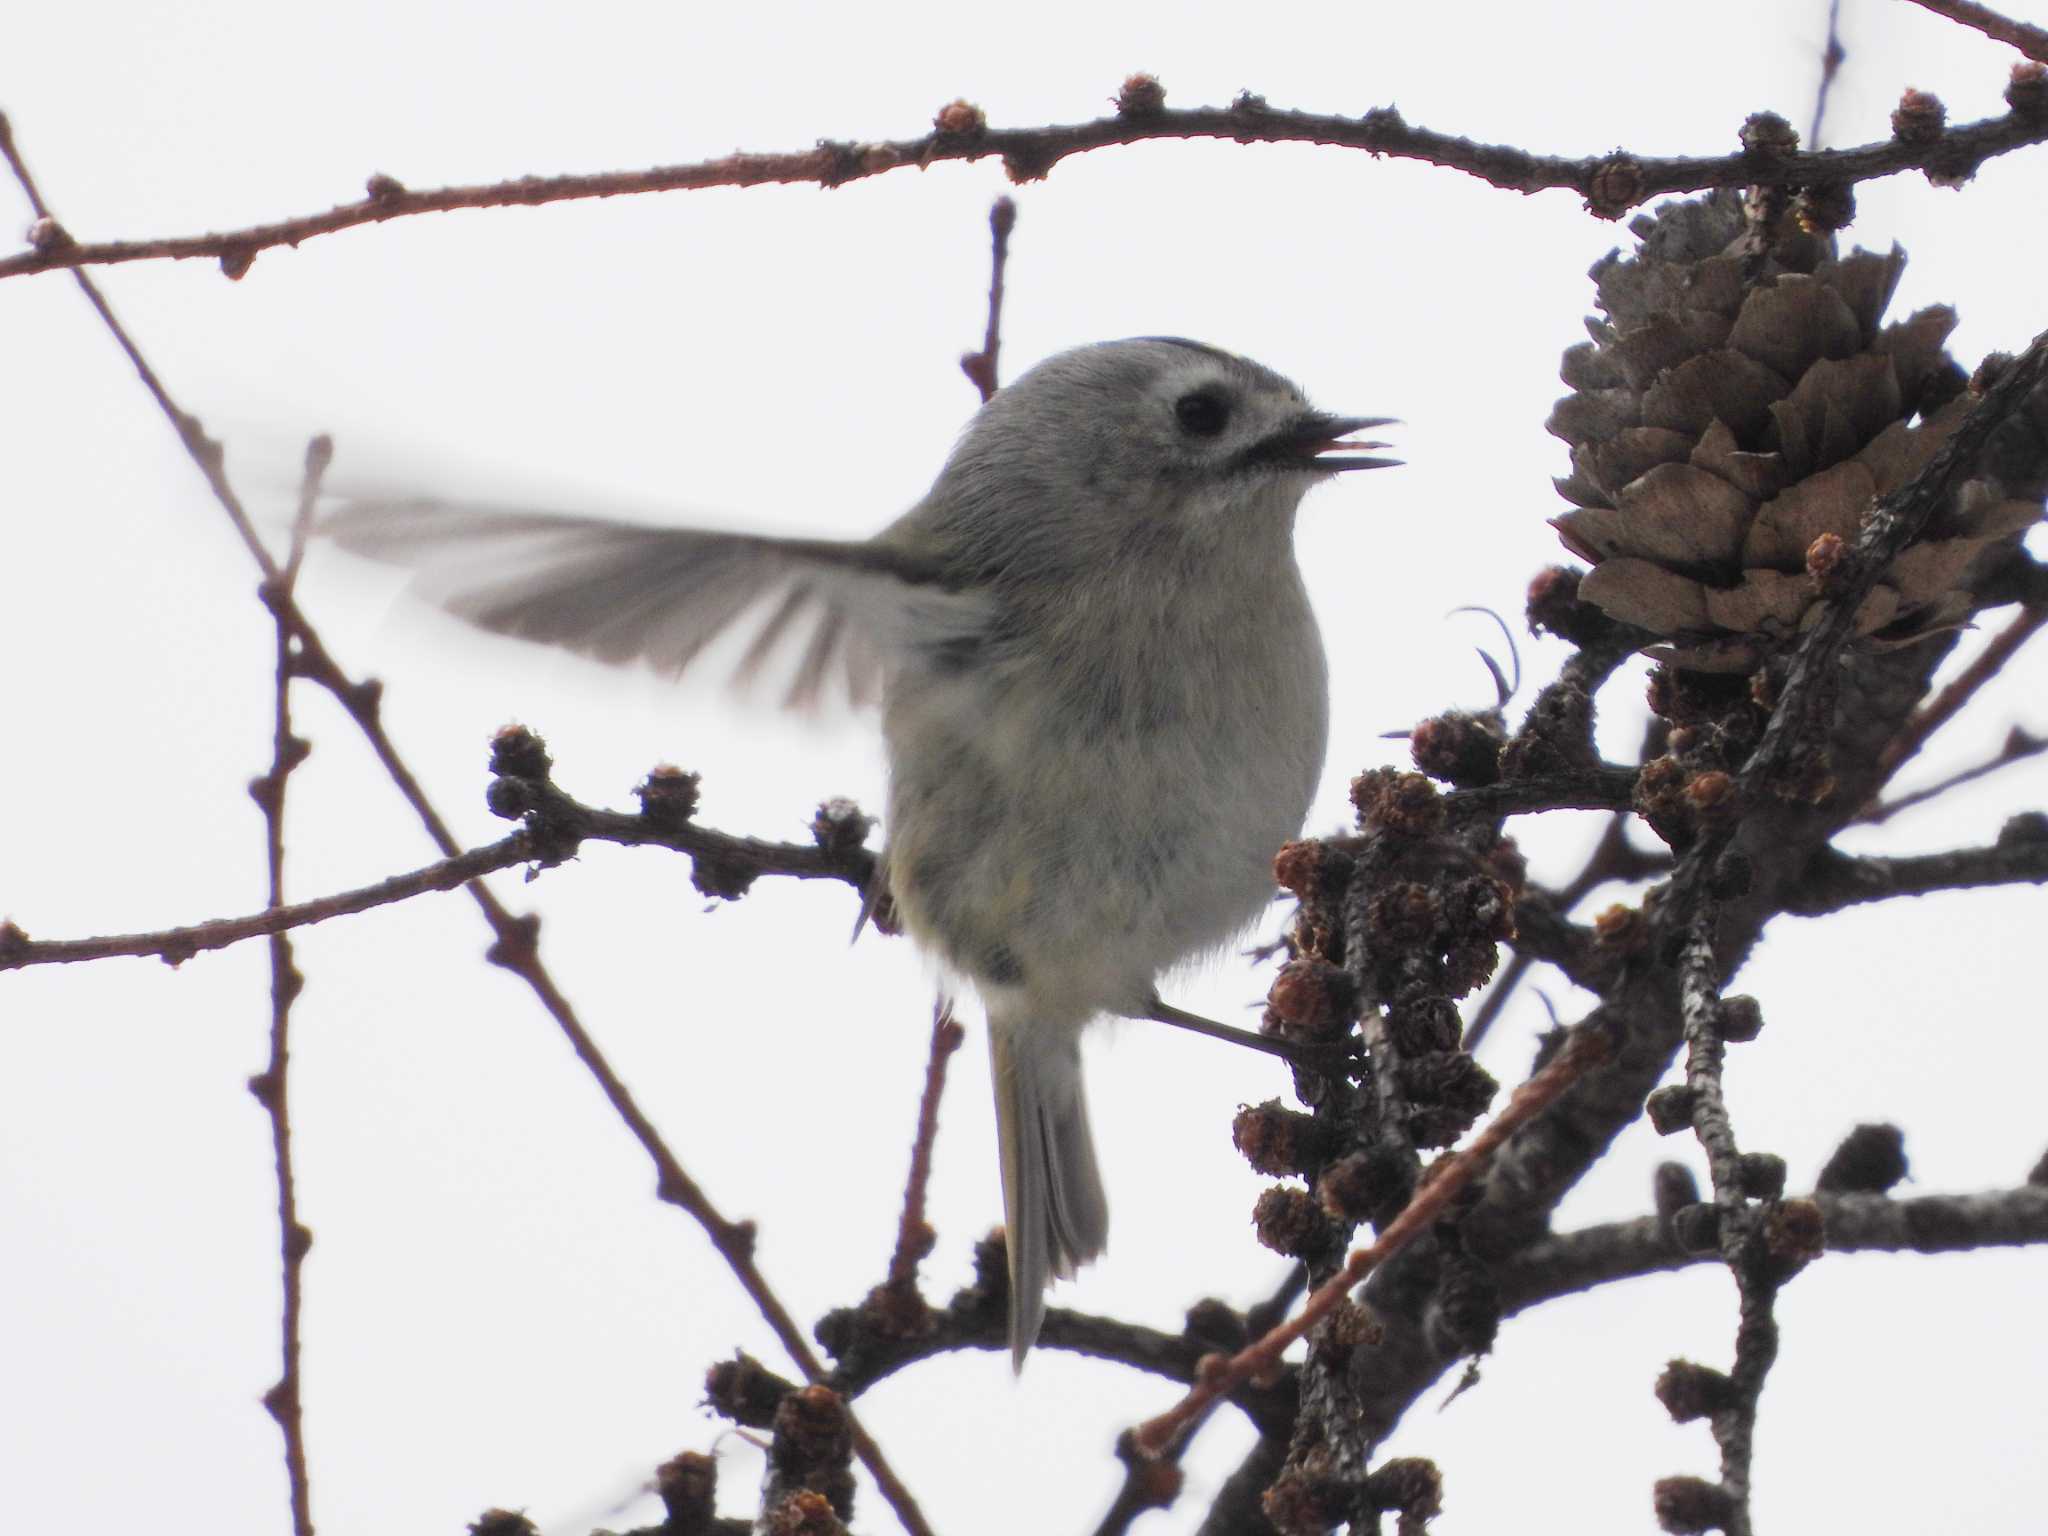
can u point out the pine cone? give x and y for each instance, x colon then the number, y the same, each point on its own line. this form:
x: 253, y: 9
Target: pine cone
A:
x: 1741, y: 400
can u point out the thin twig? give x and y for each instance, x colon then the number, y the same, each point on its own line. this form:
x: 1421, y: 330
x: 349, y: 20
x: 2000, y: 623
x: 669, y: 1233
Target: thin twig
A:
x: 271, y: 1086
x: 981, y: 367
x: 2019, y: 745
x: 1612, y: 183
x: 1835, y: 880
x: 1832, y: 55
x: 567, y: 823
x: 1443, y: 1181
x: 1699, y: 984
x: 1944, y: 706
x: 2030, y: 40
x: 1259, y: 1318
x: 1239, y: 1508
x: 1150, y: 1482
x: 1574, y: 1263
x: 1495, y: 1002
x: 1599, y: 787
x: 969, y: 1322
x: 515, y: 945
x: 1739, y: 1220
x: 1155, y: 1481
x: 913, y: 1232
x: 177, y: 945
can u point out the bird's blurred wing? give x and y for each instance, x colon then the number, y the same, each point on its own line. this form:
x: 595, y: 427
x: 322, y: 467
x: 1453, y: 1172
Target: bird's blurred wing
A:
x: 623, y: 592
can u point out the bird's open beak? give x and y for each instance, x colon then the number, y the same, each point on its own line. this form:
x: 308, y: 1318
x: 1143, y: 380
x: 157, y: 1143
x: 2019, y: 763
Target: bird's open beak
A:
x: 1318, y: 442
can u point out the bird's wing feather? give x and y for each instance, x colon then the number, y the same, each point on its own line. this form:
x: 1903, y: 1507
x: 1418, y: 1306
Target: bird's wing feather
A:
x: 623, y: 592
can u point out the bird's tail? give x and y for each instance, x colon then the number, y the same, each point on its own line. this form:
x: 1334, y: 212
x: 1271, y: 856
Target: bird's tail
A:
x: 1054, y: 1210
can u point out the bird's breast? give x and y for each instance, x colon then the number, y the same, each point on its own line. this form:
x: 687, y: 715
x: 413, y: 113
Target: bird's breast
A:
x: 1102, y: 799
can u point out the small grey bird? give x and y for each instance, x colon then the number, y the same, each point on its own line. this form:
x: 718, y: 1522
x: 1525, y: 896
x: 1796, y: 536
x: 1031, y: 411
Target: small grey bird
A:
x: 1102, y: 689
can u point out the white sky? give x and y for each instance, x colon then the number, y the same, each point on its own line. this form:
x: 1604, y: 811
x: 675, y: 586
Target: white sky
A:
x: 498, y: 1312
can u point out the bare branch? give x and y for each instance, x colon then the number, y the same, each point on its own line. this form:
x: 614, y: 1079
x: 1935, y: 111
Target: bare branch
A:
x: 1239, y: 1508
x: 270, y: 1087
x: 1835, y: 880
x: 177, y: 945
x: 1611, y: 183
x: 2019, y: 745
x: 2030, y: 40
x: 1150, y: 1482
x: 1571, y: 1263
x: 1945, y: 705
x: 736, y: 860
x: 1601, y: 787
x: 914, y: 1233
x: 981, y: 367
x: 1700, y: 1000
x: 1832, y: 55
x: 1738, y: 1222
x: 868, y: 1352
x: 1543, y: 932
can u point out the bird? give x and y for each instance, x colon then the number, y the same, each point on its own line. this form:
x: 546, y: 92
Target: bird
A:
x: 1102, y: 692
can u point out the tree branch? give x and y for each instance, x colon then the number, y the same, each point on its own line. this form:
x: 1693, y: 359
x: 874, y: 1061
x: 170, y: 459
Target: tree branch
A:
x: 1944, y: 707
x: 1738, y: 1222
x: 1600, y: 787
x: 1574, y: 1262
x: 2030, y: 40
x: 1611, y: 183
x: 913, y: 1233
x: 2019, y: 745
x: 177, y: 945
x: 1832, y: 56
x: 982, y: 368
x: 868, y: 1351
x: 270, y: 1087
x: 1835, y: 880
x: 565, y: 823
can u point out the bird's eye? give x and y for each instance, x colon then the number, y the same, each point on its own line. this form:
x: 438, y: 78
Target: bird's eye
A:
x: 1204, y: 413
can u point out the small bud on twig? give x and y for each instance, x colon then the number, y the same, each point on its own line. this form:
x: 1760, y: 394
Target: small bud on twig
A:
x: 1670, y: 1109
x: 1919, y: 118
x: 1870, y: 1160
x: 1140, y: 95
x: 960, y: 119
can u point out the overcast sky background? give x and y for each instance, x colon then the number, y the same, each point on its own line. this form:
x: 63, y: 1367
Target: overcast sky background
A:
x: 497, y: 1309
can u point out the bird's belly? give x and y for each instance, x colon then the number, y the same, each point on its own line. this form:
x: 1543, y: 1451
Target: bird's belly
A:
x: 1079, y: 852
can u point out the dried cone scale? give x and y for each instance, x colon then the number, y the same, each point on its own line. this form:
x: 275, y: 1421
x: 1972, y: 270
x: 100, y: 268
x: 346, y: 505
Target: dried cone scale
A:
x: 1741, y: 399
